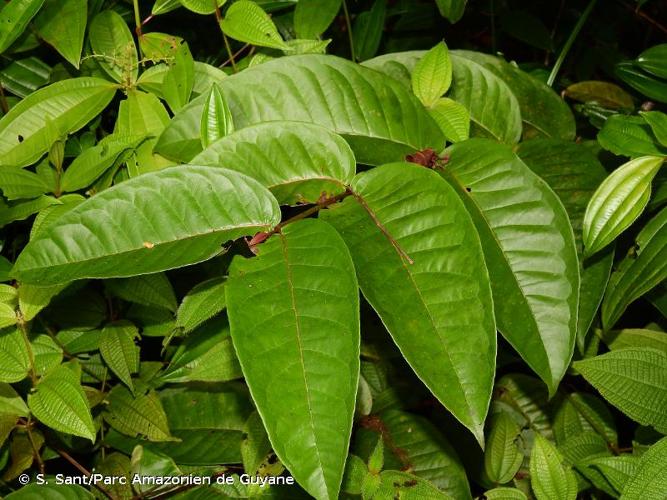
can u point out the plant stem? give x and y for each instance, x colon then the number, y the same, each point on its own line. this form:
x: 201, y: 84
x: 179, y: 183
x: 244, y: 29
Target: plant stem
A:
x: 137, y: 23
x: 568, y: 44
x: 348, y: 23
x: 228, y: 47
x: 35, y: 450
x: 83, y: 471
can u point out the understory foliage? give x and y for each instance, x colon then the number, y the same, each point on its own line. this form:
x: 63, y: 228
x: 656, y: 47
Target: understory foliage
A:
x: 389, y: 249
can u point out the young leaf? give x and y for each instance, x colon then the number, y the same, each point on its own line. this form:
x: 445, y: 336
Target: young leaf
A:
x: 618, y: 202
x: 452, y: 118
x: 201, y: 6
x: 432, y: 75
x: 367, y: 30
x: 418, y: 275
x: 298, y: 162
x: 452, y: 10
x: 246, y: 22
x: 634, y: 380
x: 550, y: 479
x: 649, y: 481
x: 502, y: 456
x: 14, y: 360
x: 201, y: 303
x: 140, y: 415
x: 59, y: 402
x: 113, y: 47
x: 62, y: 24
x: 303, y: 334
x: 159, y: 221
x: 119, y: 351
x: 67, y: 105
x: 14, y: 17
x: 153, y: 290
x: 179, y: 80
x: 530, y: 279
x: 313, y: 17
x: 216, y: 120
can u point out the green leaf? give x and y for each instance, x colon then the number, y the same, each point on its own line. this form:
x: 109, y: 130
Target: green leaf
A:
x: 617, y: 470
x: 113, y: 47
x: 634, y: 380
x: 23, y: 209
x: 151, y: 80
x: 579, y: 413
x: 367, y: 30
x: 66, y: 105
x: 417, y: 275
x: 399, y: 484
x: 59, y: 402
x: 179, y: 80
x: 311, y: 90
x: 452, y: 10
x: 502, y: 456
x: 635, y: 337
x: 140, y: 415
x: 119, y: 350
x: 574, y: 173
x: 62, y: 24
x: 14, y: 17
x: 629, y: 136
x: 618, y: 202
x: 59, y: 491
x: 658, y: 123
x: 153, y: 290
x: 605, y: 94
x: 24, y: 76
x: 256, y: 446
x: 159, y: 221
x: 432, y: 75
x: 303, y: 334
x: 641, y: 271
x: 529, y: 249
x: 654, y: 60
x: 164, y: 6
x: 246, y: 22
x: 201, y: 303
x: 216, y: 120
x: 298, y: 162
x: 7, y: 315
x: 11, y: 403
x: 17, y: 183
x: 550, y: 479
x: 313, y: 17
x: 47, y: 353
x: 14, y: 360
x: 505, y: 494
x: 200, y: 6
x: 452, y: 118
x: 649, y: 481
x: 642, y: 82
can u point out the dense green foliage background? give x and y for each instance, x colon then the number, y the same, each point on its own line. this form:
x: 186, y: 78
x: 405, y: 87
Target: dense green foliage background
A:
x: 391, y: 249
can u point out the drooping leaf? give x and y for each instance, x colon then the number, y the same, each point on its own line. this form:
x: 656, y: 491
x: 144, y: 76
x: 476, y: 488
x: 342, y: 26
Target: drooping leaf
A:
x: 452, y: 118
x: 367, y: 30
x: 432, y: 75
x: 14, y: 360
x: 452, y: 10
x: 654, y: 60
x: 311, y: 91
x: 298, y: 162
x: 114, y: 47
x: 605, y: 94
x: 303, y: 334
x: 201, y: 6
x: 62, y: 24
x: 649, y: 481
x: 418, y: 275
x: 549, y: 477
x: 141, y: 414
x: 247, y: 22
x: 152, y: 223
x: 216, y: 120
x: 201, y: 303
x: 634, y: 380
x: 313, y: 17
x: 59, y: 402
x: 502, y: 456
x: 153, y: 290
x: 14, y: 17
x: 517, y: 216
x: 574, y: 173
x: 179, y: 80
x: 66, y: 105
x: 119, y: 351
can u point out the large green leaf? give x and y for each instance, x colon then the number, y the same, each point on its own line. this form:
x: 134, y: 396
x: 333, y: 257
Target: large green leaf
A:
x: 654, y: 60
x: 23, y: 76
x: 650, y: 480
x: 629, y: 136
x: 421, y: 267
x: 367, y: 30
x: 113, y: 47
x: 14, y: 17
x: 618, y: 202
x: 140, y: 415
x: 574, y: 173
x: 159, y: 221
x: 302, y: 334
x: 651, y: 87
x: 529, y: 249
x: 298, y: 162
x: 634, y: 380
x: 152, y: 290
x: 642, y: 270
x: 62, y: 24
x: 65, y: 106
x: 658, y: 123
x: 14, y: 360
x: 60, y: 403
x: 313, y: 17
x: 119, y: 351
x: 635, y: 337
x: 549, y: 477
x: 247, y: 22
x: 380, y: 119
x: 494, y: 109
